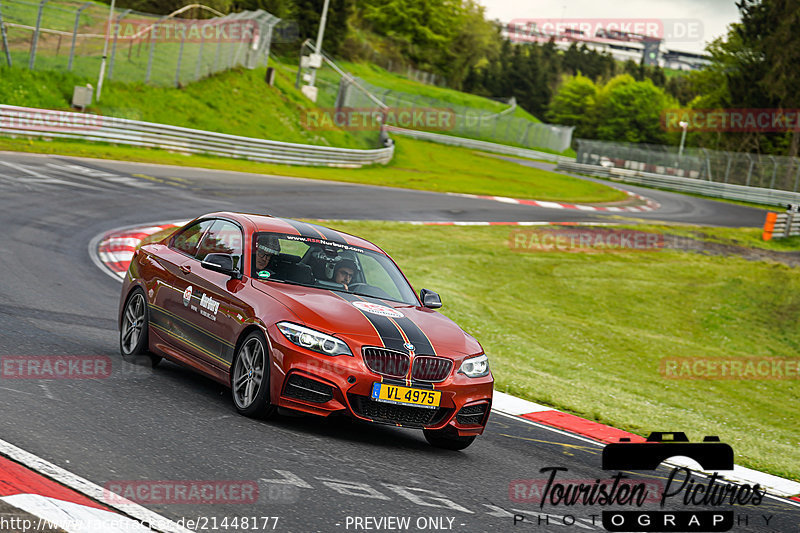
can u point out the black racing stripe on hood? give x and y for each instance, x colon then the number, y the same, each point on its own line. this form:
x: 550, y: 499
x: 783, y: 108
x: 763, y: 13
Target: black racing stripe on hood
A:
x: 388, y: 332
x: 314, y: 231
x: 422, y: 345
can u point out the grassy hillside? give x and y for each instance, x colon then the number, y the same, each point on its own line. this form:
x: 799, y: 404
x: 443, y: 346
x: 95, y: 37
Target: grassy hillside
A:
x: 237, y: 102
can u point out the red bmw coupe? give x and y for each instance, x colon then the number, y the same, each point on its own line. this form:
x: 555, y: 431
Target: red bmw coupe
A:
x: 299, y: 316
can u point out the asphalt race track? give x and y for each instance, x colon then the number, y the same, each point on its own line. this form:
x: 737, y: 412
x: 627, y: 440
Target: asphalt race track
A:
x: 143, y: 424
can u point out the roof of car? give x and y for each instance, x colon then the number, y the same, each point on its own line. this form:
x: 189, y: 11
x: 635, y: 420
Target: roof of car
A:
x: 290, y: 226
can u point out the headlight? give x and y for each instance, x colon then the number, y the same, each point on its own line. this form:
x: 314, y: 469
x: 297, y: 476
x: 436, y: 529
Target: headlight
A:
x: 475, y: 367
x: 313, y: 340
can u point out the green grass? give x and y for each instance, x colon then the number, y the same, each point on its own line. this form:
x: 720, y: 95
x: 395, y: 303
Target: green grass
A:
x: 417, y: 165
x: 237, y: 102
x: 375, y: 75
x: 585, y: 333
x: 475, y: 116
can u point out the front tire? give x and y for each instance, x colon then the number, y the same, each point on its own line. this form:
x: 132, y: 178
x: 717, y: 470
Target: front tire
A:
x: 250, y: 378
x: 135, y: 327
x: 447, y: 439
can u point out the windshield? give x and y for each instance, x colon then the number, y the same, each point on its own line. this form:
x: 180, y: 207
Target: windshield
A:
x: 328, y: 265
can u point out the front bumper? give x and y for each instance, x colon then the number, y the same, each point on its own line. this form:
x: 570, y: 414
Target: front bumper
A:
x: 317, y: 384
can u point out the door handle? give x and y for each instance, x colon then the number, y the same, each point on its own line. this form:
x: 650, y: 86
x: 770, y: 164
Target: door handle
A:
x: 186, y: 269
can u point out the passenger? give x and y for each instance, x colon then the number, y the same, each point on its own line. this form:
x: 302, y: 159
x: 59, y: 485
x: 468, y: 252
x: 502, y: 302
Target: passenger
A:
x: 344, y: 272
x: 267, y: 249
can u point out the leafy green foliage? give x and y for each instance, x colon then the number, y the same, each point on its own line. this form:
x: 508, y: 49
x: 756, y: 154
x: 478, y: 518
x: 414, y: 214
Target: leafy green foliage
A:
x: 622, y: 110
x: 573, y: 106
x: 630, y: 111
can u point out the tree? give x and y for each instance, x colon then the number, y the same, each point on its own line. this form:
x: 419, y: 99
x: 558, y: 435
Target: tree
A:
x: 630, y: 111
x: 573, y: 105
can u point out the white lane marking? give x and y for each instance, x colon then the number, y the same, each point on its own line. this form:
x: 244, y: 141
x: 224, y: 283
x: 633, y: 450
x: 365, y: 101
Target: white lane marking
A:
x: 44, y: 179
x: 47, y: 393
x: 88, y: 488
x: 353, y: 488
x: 102, y: 175
x: 426, y: 498
x: 72, y: 517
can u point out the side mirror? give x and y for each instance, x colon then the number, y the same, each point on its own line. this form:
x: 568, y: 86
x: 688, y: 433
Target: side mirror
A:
x: 430, y: 299
x: 222, y: 263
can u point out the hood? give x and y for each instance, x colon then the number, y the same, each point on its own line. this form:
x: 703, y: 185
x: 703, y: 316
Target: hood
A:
x: 371, y: 321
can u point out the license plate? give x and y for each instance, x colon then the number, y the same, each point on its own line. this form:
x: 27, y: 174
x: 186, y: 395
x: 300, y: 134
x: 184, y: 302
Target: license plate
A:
x: 386, y: 393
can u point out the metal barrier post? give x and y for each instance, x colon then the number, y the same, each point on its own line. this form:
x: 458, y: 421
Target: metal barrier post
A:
x: 728, y: 168
x: 797, y: 175
x: 153, y: 29
x: 199, y: 57
x: 4, y: 36
x: 35, y: 41
x: 180, y: 58
x: 774, y: 172
x: 114, y: 44
x: 75, y: 34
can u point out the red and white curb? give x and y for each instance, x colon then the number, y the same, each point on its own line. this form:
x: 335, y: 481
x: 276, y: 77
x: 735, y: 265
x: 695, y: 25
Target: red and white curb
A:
x: 61, y: 499
x: 649, y: 204
x: 547, y: 416
x: 112, y: 251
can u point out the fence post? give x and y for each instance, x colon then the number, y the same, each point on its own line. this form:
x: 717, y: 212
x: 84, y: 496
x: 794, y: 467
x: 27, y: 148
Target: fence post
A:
x: 774, y: 171
x: 180, y: 58
x: 5, y: 37
x: 35, y: 41
x: 750, y: 170
x: 797, y: 175
x: 75, y: 33
x: 728, y: 167
x: 199, y: 57
x: 114, y: 44
x: 524, y: 136
x: 153, y: 29
x: 708, y: 164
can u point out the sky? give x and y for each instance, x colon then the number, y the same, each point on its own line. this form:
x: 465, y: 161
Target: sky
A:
x: 687, y: 24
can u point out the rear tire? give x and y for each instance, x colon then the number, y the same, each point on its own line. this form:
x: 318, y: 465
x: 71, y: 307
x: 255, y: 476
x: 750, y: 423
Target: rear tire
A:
x: 447, y: 439
x: 250, y: 378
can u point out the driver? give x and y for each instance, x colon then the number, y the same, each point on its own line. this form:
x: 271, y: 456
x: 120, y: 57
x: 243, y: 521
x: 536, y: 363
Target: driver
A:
x: 345, y: 270
x: 267, y: 250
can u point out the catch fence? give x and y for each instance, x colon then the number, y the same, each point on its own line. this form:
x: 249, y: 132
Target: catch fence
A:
x: 190, y: 43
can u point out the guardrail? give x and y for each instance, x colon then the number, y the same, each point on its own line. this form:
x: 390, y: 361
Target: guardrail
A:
x: 478, y: 145
x: 781, y: 225
x: 46, y: 123
x: 728, y: 191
